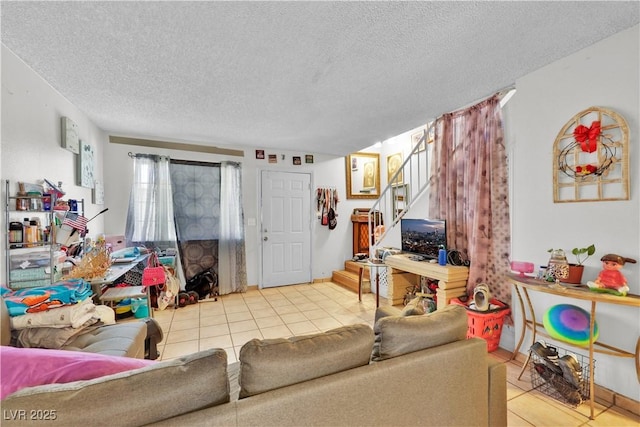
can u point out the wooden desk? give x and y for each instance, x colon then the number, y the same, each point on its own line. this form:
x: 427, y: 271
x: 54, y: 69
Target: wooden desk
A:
x: 452, y: 280
x: 525, y: 284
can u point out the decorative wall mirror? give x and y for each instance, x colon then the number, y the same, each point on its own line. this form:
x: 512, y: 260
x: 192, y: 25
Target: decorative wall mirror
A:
x: 363, y: 176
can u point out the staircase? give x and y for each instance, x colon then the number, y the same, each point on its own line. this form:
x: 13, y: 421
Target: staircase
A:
x: 415, y: 181
x: 349, y: 277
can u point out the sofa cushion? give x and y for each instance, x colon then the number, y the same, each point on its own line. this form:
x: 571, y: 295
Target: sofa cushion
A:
x: 398, y: 335
x: 28, y: 367
x: 273, y: 363
x: 133, y: 398
x: 121, y: 339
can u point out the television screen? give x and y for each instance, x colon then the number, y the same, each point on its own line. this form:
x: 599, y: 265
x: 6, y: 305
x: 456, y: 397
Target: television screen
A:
x: 423, y: 236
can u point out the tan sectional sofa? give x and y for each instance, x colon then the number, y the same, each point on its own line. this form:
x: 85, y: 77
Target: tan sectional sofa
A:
x: 417, y: 370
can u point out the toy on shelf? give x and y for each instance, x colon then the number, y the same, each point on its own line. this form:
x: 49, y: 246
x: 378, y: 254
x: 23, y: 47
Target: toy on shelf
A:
x: 611, y: 280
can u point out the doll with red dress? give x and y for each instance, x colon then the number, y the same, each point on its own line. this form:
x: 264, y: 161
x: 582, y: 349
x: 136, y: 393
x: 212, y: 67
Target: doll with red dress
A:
x: 610, y: 279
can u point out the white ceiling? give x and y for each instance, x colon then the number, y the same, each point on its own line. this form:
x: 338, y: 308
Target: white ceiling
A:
x: 325, y: 77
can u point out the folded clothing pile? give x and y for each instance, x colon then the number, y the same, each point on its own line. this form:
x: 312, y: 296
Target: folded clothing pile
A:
x: 50, y: 316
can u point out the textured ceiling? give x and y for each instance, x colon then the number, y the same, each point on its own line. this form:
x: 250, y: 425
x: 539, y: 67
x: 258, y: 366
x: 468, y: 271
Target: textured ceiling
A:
x: 326, y: 77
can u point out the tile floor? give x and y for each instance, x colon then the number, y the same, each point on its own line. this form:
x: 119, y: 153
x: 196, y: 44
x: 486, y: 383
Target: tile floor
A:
x: 301, y: 309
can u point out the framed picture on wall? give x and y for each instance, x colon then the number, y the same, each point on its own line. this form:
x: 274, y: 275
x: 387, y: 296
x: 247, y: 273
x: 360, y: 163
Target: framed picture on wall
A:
x: 297, y: 160
x: 70, y: 139
x: 419, y: 138
x: 394, y: 163
x: 86, y: 164
x: 363, y: 175
x: 98, y: 193
x: 308, y: 158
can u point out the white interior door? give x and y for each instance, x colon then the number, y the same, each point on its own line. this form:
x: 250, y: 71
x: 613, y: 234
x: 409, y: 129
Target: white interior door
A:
x: 285, y: 228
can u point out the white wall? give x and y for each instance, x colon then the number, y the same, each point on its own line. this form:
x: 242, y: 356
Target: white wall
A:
x: 31, y: 143
x: 605, y: 75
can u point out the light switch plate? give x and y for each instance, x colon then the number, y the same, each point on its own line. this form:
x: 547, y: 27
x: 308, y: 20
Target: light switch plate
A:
x: 70, y: 137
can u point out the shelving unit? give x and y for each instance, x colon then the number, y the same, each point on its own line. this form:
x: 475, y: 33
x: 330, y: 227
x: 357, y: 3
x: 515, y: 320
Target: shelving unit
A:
x: 32, y: 263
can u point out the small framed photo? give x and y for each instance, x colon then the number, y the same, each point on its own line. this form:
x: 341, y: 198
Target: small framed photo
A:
x: 308, y: 158
x: 419, y: 138
x: 273, y: 158
x: 297, y: 160
x: 259, y: 154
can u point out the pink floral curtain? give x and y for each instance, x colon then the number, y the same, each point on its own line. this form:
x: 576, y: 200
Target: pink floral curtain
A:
x: 469, y: 189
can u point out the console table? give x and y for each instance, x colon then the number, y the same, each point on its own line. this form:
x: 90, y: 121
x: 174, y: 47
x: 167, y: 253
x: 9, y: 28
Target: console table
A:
x: 452, y: 280
x: 524, y: 284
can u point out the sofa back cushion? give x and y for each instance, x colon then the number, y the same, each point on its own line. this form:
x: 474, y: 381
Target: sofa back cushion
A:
x: 133, y: 398
x: 273, y: 363
x: 398, y: 335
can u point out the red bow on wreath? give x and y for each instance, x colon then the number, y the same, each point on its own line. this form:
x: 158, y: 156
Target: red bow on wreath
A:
x: 583, y: 133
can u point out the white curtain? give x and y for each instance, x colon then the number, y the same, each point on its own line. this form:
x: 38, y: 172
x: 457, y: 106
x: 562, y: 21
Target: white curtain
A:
x: 232, y: 270
x: 150, y: 216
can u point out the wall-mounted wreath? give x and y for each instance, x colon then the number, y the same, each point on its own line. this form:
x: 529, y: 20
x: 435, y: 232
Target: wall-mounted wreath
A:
x: 591, y: 159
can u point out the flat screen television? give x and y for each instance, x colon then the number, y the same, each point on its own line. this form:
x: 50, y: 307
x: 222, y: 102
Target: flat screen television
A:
x: 423, y: 236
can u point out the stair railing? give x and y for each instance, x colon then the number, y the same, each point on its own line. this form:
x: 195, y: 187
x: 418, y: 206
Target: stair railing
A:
x: 415, y: 171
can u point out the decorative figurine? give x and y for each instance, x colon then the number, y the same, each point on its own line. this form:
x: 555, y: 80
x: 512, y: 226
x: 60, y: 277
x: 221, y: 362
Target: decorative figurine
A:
x: 610, y: 279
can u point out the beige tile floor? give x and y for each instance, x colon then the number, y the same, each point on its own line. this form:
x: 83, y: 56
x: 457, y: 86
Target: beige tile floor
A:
x: 301, y: 309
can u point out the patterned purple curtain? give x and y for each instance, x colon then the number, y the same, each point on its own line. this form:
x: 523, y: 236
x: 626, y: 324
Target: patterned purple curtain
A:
x: 469, y: 188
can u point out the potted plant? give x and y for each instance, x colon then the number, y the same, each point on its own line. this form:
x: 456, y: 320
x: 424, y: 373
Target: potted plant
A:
x: 576, y: 270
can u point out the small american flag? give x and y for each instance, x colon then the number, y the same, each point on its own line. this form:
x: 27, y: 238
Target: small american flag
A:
x: 76, y: 221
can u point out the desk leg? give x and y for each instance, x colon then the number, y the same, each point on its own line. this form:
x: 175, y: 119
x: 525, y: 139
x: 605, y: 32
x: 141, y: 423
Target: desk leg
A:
x: 377, y: 287
x: 592, y: 388
x: 360, y: 274
x: 525, y: 322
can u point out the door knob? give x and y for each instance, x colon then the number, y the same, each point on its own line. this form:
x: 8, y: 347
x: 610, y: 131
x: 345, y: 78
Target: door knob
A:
x: 265, y: 238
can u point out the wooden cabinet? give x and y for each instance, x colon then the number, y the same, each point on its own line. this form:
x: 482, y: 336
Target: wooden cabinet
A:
x: 362, y: 239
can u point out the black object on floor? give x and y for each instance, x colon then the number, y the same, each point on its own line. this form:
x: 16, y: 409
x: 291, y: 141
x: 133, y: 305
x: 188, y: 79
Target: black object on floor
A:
x: 154, y: 336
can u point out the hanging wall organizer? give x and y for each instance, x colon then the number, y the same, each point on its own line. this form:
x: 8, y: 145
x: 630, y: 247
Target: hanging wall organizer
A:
x: 591, y: 158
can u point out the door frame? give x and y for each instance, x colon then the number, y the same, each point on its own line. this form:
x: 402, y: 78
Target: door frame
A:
x: 259, y: 218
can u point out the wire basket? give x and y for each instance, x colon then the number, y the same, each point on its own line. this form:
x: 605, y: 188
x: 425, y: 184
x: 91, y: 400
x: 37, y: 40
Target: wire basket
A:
x: 556, y: 385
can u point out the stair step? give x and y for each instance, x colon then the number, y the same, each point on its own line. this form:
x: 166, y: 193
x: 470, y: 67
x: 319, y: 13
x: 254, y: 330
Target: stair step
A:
x: 349, y: 280
x: 355, y: 267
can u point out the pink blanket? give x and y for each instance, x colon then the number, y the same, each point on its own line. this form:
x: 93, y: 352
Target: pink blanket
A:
x: 28, y: 367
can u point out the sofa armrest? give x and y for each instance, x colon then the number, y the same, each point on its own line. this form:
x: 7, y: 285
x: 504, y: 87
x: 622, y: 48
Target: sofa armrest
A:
x: 497, y: 392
